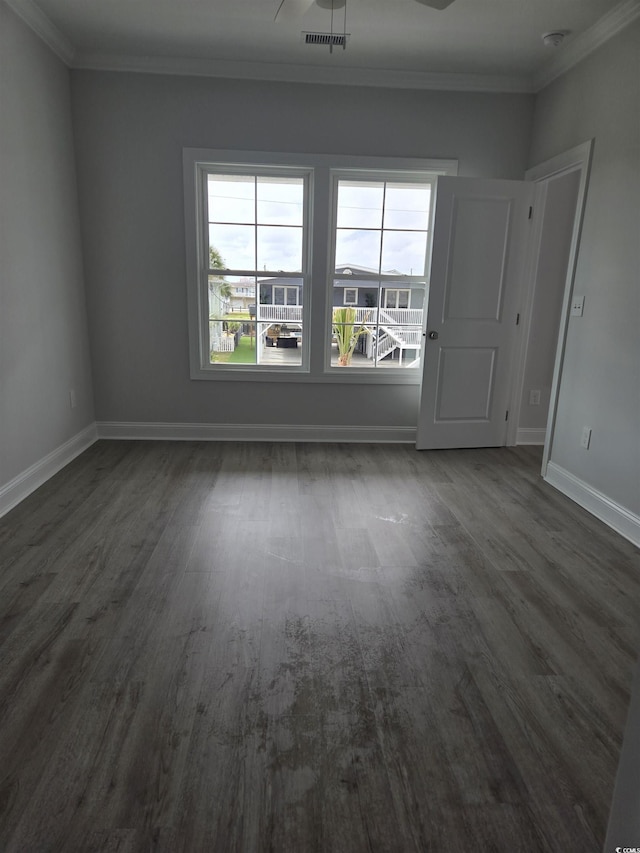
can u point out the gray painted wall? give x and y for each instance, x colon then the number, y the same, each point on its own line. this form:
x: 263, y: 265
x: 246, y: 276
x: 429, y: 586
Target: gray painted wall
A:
x: 130, y: 131
x: 44, y: 349
x: 600, y: 385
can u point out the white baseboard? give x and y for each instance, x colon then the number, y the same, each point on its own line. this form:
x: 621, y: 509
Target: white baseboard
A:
x: 531, y: 436
x: 622, y: 520
x: 254, y: 432
x: 28, y: 481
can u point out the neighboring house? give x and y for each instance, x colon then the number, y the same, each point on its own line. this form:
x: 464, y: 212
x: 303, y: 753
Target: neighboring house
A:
x: 280, y: 291
x: 363, y: 293
x: 394, y: 325
x: 242, y: 295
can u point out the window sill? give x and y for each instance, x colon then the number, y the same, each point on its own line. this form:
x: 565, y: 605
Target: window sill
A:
x: 349, y: 376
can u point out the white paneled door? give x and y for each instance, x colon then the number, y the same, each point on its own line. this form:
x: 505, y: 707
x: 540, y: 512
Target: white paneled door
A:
x: 480, y: 237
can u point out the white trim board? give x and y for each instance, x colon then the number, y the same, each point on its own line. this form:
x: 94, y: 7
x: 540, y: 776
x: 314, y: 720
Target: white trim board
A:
x: 20, y: 487
x: 42, y: 26
x: 620, y: 519
x: 254, y: 432
x: 288, y: 72
x: 587, y: 42
x: 528, y: 435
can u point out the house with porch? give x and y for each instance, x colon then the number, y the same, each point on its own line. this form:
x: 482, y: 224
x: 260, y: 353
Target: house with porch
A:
x: 390, y: 312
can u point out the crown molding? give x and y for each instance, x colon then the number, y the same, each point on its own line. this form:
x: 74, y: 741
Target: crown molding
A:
x: 588, y: 41
x: 35, y: 18
x: 289, y: 73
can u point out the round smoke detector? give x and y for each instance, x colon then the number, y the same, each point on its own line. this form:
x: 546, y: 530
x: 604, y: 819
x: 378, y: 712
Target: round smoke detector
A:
x: 555, y: 38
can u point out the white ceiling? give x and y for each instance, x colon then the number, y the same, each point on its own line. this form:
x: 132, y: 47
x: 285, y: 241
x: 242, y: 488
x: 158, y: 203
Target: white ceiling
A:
x: 483, y: 44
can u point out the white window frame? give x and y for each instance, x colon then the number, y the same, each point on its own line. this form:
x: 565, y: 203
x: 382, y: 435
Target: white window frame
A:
x: 381, y: 174
x: 285, y: 288
x: 317, y: 299
x: 354, y: 301
x: 397, y: 291
x: 197, y: 171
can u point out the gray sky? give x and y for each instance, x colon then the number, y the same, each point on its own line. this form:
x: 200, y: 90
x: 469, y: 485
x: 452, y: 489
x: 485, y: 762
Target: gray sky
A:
x: 279, y: 206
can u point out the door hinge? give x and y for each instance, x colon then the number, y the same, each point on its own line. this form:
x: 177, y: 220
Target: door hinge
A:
x: 506, y: 415
x: 530, y: 212
x: 517, y: 319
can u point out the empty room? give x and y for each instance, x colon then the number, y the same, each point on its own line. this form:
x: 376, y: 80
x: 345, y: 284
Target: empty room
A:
x: 319, y: 426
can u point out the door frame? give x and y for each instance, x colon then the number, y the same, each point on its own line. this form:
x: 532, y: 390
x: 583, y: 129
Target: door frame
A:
x: 575, y: 159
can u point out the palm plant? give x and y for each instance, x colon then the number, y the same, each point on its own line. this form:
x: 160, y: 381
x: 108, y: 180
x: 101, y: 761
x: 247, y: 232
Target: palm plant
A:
x: 219, y: 288
x: 346, y: 333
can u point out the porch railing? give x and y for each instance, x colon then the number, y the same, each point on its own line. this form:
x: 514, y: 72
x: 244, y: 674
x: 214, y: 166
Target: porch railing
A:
x: 280, y: 313
x: 408, y: 316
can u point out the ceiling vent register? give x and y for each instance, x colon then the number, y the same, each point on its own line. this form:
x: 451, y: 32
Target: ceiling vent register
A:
x: 330, y: 39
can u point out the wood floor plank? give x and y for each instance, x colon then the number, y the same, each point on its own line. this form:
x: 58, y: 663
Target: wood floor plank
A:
x: 278, y: 648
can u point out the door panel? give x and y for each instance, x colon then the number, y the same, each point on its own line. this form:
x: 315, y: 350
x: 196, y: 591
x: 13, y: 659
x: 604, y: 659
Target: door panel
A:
x: 478, y: 253
x: 465, y: 383
x: 479, y: 241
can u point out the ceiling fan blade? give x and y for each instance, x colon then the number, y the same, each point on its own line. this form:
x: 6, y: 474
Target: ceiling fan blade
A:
x: 292, y: 9
x: 436, y: 4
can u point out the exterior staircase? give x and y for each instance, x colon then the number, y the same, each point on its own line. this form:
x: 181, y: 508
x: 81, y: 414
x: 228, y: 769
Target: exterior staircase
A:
x: 391, y: 336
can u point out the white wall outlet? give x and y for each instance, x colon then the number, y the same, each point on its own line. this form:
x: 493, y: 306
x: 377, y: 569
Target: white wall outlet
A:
x: 534, y: 398
x: 72, y: 398
x: 585, y: 441
x: 577, y: 306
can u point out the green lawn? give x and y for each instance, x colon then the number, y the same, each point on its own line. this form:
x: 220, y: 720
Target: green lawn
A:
x: 244, y: 353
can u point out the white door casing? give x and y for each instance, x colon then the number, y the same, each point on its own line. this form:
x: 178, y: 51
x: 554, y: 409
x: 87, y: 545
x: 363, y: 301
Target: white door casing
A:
x: 479, y: 248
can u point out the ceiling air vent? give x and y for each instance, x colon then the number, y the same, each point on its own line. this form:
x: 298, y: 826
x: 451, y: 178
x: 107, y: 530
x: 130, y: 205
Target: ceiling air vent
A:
x: 330, y: 39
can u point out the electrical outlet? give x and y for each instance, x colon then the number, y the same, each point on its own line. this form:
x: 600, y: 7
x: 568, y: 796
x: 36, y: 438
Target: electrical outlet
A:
x: 72, y: 398
x: 534, y: 398
x: 577, y: 306
x: 585, y: 441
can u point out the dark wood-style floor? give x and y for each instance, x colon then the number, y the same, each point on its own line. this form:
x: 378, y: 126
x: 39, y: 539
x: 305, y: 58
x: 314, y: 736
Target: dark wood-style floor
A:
x: 304, y: 647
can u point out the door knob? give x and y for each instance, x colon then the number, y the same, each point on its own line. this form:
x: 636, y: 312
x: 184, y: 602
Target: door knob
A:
x: 433, y: 336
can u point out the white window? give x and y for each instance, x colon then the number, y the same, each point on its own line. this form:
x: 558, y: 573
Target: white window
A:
x: 284, y: 295
x: 396, y: 298
x: 253, y: 243
x: 256, y: 232
x: 381, y: 236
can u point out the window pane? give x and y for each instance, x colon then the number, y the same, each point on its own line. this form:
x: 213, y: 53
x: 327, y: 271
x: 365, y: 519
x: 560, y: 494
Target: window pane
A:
x: 279, y: 248
x: 232, y: 342
x: 219, y: 302
x: 404, y: 252
x: 390, y: 336
x: 364, y: 297
x: 360, y: 248
x: 234, y: 296
x: 231, y: 198
x: 360, y: 204
x: 235, y: 245
x: 280, y: 302
x: 280, y: 201
x: 245, y: 351
x: 280, y: 344
x: 407, y: 206
x: 351, y: 342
